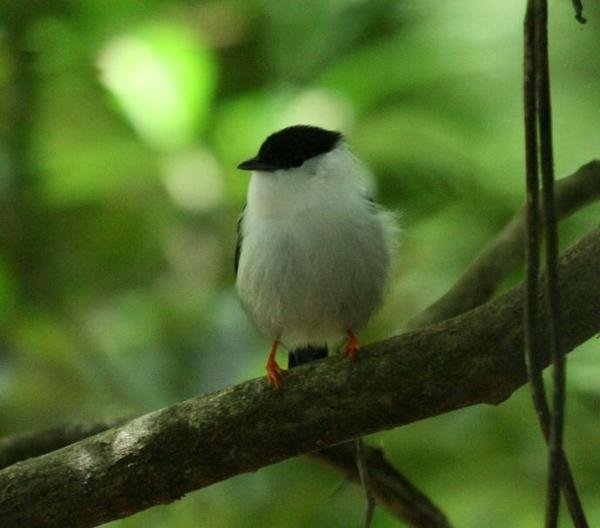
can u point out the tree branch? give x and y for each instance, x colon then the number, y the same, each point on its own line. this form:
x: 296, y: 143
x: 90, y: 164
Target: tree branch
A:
x: 507, y: 251
x: 157, y: 458
x: 392, y: 490
x: 19, y: 447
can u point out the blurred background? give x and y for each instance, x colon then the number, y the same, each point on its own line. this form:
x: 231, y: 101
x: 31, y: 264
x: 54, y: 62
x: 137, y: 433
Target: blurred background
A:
x: 121, y: 124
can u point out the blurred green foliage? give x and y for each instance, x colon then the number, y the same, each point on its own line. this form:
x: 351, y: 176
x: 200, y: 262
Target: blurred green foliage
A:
x: 121, y: 126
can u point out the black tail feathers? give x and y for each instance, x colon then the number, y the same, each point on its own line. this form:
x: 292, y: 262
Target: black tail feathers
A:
x: 306, y: 355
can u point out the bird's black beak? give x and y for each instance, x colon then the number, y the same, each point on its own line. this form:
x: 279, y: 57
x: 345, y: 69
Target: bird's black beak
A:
x: 256, y: 164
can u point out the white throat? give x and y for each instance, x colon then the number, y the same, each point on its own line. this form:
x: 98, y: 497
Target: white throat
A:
x: 330, y: 180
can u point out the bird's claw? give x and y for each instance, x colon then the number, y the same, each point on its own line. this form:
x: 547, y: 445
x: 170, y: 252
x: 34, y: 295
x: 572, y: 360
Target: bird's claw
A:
x: 352, y: 346
x: 274, y: 372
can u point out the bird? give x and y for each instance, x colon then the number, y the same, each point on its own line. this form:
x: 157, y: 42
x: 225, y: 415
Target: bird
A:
x: 314, y: 250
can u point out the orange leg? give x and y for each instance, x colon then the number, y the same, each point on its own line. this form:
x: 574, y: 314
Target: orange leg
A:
x: 273, y: 369
x: 352, y: 346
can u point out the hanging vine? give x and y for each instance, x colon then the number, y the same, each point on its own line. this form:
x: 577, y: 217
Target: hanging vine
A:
x: 538, y: 138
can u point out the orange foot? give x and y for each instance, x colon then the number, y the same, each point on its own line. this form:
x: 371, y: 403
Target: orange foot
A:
x: 352, y: 346
x: 274, y: 371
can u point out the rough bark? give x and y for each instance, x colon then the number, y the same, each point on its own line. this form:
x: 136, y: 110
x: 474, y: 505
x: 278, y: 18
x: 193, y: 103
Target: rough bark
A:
x: 392, y: 490
x: 29, y: 445
x: 157, y: 458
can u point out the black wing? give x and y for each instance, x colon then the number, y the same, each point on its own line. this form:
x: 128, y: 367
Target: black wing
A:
x: 238, y: 246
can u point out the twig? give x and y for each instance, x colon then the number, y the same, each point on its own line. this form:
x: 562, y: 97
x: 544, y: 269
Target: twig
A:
x: 395, y: 490
x: 578, y: 5
x: 471, y: 359
x: 506, y: 251
x: 365, y: 481
x: 391, y: 489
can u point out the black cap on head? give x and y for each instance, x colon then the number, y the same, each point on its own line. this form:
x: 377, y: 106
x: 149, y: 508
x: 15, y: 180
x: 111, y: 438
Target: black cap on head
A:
x: 291, y: 147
